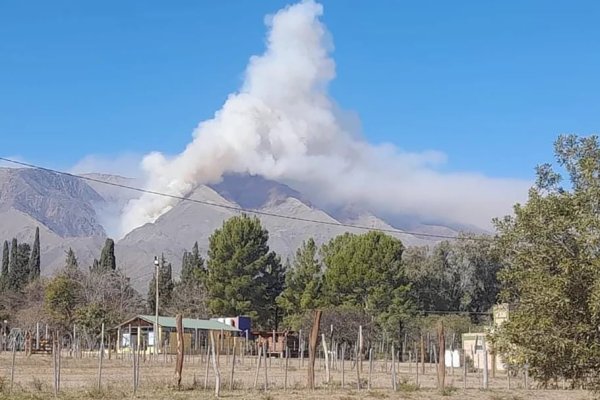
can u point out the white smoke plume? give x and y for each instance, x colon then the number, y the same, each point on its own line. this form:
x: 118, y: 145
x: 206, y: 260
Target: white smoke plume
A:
x: 283, y: 125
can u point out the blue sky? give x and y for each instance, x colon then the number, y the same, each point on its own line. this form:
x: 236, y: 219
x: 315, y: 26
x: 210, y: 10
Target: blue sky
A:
x: 490, y: 84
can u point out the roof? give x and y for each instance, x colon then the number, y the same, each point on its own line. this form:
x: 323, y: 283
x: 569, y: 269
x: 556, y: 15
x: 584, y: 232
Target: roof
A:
x: 188, y: 323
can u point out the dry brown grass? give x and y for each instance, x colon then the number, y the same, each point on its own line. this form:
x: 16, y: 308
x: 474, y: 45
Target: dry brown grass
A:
x: 34, y: 377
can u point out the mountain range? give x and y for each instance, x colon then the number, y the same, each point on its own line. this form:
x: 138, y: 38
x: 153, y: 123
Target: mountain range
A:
x: 78, y: 213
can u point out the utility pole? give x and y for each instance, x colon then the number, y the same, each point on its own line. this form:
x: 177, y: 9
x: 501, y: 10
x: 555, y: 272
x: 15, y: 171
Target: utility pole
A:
x: 156, y: 333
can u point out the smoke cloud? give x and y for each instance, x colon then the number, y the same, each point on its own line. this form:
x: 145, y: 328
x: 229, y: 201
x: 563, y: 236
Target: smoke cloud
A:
x: 283, y: 125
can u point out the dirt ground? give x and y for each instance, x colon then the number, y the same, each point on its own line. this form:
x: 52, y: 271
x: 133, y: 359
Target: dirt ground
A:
x: 33, y: 379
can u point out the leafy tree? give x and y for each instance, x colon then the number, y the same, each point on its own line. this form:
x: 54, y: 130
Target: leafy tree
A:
x: 366, y: 272
x: 64, y: 293
x: 34, y: 260
x: 552, y: 274
x: 165, y: 286
x: 62, y: 296
x: 454, y: 276
x: 244, y: 277
x: 303, y: 283
x: 107, y: 256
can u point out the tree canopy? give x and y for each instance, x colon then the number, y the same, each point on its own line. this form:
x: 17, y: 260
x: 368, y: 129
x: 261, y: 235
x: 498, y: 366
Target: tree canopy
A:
x: 552, y: 275
x: 244, y: 276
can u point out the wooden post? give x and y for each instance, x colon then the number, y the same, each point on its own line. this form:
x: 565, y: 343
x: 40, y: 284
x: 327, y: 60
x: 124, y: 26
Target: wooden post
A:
x: 232, y: 365
x: 312, y: 348
x: 266, y: 368
x: 54, y: 365
x: 214, y: 364
x: 132, y: 351
x: 37, y: 335
x: 208, y: 357
x: 287, y: 359
x: 508, y: 376
x: 452, y: 354
x: 485, y: 364
x: 370, y: 366
x: 465, y: 368
x: 526, y: 376
x: 358, y: 385
x: 12, y: 366
x: 324, y: 343
x: 257, y: 367
x: 180, y: 349
x: 301, y: 348
x: 422, y: 355
x: 442, y: 361
x: 394, y: 378
x: 417, y: 366
x: 360, y: 345
x: 343, y: 359
x: 100, y: 358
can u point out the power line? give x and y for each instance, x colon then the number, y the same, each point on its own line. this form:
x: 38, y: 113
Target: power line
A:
x: 241, y: 209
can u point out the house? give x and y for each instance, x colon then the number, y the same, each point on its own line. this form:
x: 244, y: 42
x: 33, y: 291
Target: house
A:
x: 138, y: 333
x: 476, y: 345
x: 276, y: 342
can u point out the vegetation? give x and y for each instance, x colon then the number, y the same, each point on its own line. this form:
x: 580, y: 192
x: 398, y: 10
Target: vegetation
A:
x: 544, y: 261
x: 552, y: 275
x: 244, y: 276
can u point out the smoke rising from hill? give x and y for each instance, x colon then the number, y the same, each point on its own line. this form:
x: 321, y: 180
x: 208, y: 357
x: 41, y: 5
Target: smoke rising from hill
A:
x: 283, y: 125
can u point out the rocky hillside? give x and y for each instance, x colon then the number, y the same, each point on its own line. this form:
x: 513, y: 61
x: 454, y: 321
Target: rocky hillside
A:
x: 77, y: 213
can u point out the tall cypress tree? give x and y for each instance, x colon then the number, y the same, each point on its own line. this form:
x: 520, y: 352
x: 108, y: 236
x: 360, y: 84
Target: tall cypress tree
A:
x: 34, y: 260
x: 18, y: 273
x: 13, y: 256
x: 165, y: 286
x: 5, y: 262
x: 5, y: 259
x: 192, y: 267
x: 107, y: 257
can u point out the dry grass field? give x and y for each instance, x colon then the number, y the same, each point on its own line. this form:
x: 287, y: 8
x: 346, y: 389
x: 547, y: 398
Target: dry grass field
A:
x: 33, y: 379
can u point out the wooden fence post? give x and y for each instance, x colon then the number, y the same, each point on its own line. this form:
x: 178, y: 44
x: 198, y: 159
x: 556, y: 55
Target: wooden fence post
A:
x: 343, y: 359
x: 442, y: 357
x: 231, y: 380
x: 12, y: 366
x: 327, y: 373
x: 258, y: 362
x: 370, y: 367
x: 394, y: 378
x: 100, y: 358
x: 180, y: 349
x: 312, y: 348
x: 214, y: 364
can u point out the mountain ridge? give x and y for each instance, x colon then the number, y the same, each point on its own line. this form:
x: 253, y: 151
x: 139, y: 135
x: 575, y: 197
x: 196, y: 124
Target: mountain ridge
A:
x: 77, y: 213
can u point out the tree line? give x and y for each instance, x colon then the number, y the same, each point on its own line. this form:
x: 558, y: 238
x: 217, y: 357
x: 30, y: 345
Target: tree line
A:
x: 543, y: 260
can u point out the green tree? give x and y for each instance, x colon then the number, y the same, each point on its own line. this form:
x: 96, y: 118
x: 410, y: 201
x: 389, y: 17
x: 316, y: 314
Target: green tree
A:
x: 189, y: 295
x: 366, y: 272
x: 18, y: 274
x: 63, y: 294
x: 454, y: 276
x: 244, y: 277
x: 5, y: 264
x: 165, y: 286
x: 34, y: 260
x: 192, y: 266
x: 552, y: 273
x: 107, y: 256
x: 303, y: 281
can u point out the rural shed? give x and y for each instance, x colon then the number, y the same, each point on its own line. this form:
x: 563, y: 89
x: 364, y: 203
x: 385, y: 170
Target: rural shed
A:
x: 138, y: 332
